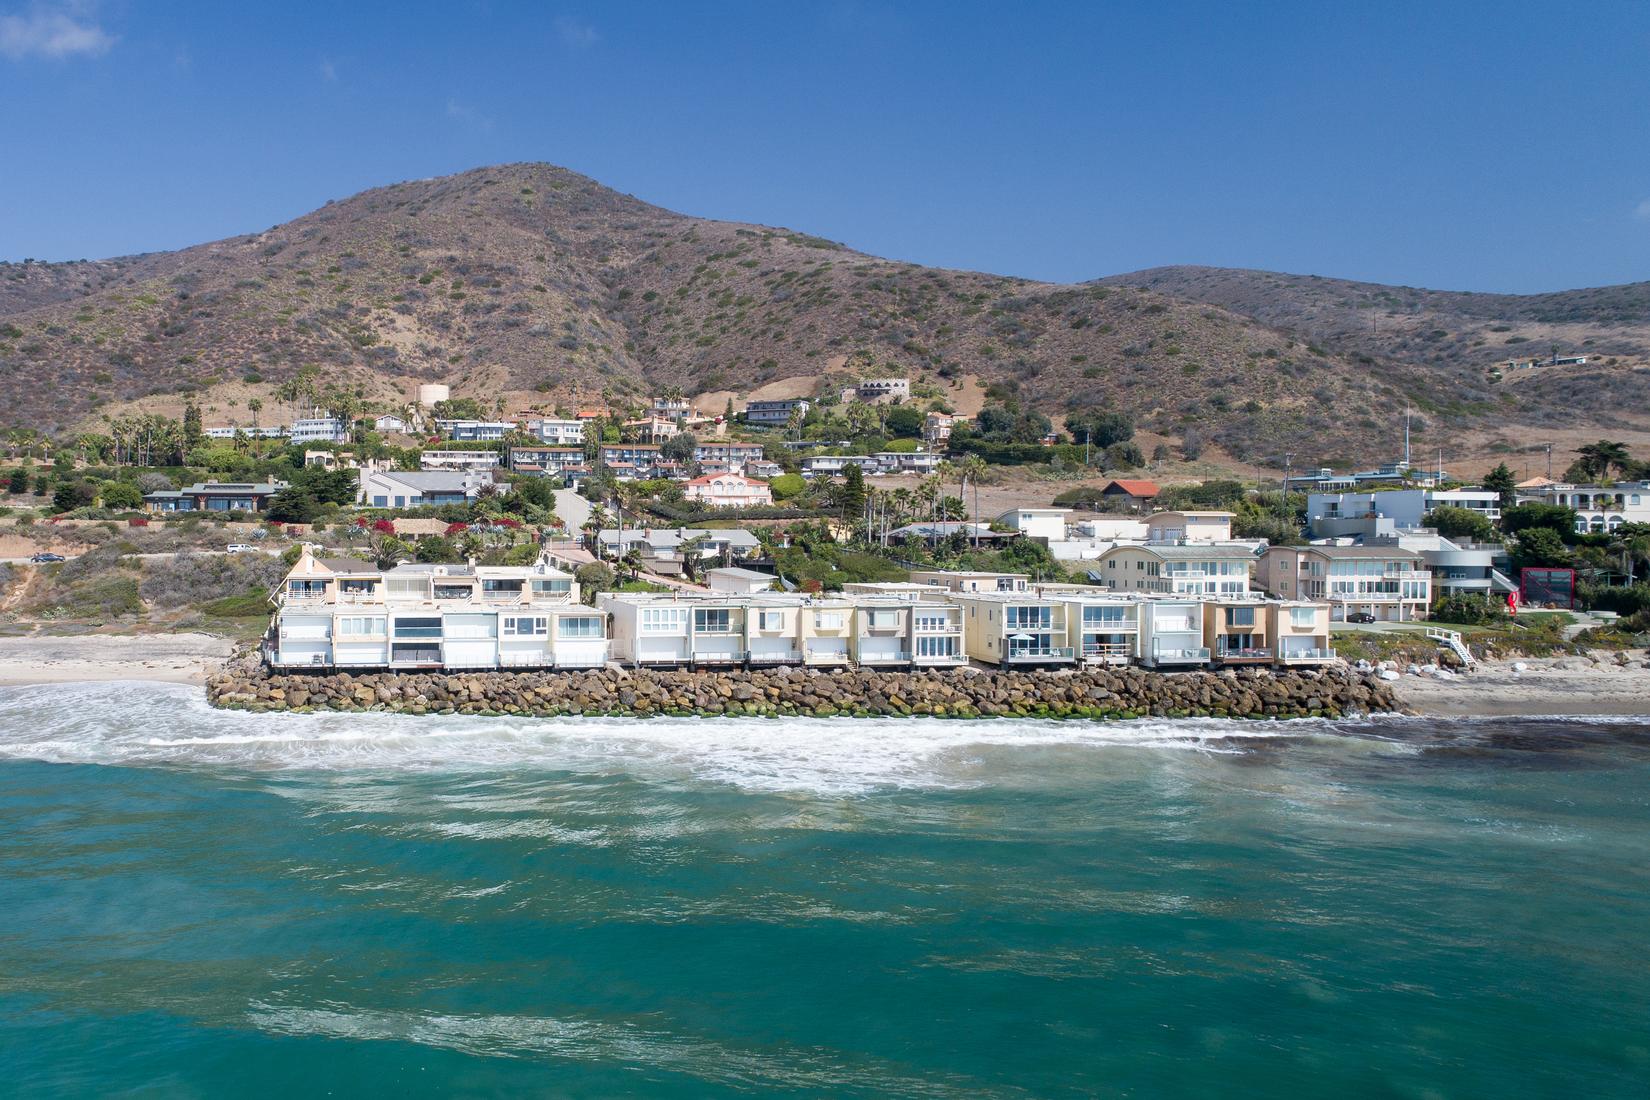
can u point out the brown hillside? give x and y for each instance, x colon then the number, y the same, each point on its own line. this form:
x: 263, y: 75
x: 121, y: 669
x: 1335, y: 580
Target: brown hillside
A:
x: 531, y: 283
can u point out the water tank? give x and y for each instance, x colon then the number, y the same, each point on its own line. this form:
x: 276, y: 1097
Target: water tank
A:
x: 432, y: 392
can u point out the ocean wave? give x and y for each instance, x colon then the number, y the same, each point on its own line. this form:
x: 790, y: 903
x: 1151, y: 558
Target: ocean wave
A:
x: 614, y: 1043
x: 167, y: 725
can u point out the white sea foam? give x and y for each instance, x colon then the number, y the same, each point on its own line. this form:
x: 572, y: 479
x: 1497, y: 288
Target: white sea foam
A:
x: 169, y: 725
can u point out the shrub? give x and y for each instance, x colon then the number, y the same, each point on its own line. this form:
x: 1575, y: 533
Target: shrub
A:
x: 194, y: 578
x: 251, y: 605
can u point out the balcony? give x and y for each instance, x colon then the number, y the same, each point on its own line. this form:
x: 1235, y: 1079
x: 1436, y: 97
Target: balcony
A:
x: 1255, y: 655
x: 1187, y: 655
x: 1107, y: 653
x: 898, y: 657
x: 1307, y: 656
x: 1033, y: 654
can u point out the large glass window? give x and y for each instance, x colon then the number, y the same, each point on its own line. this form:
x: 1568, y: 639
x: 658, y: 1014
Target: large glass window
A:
x: 828, y: 620
x: 360, y: 625
x: 717, y: 620
x: 1303, y: 617
x: 1240, y: 616
x: 526, y: 626
x: 418, y: 628
x: 944, y: 645
x: 584, y: 626
x: 664, y: 620
x: 554, y: 586
x: 1030, y: 618
x: 1104, y: 616
x: 930, y: 621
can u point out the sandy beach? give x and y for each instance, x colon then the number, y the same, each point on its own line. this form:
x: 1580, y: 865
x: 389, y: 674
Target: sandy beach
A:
x: 1557, y: 685
x: 167, y: 658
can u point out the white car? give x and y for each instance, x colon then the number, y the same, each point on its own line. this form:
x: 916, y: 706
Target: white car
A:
x: 242, y: 548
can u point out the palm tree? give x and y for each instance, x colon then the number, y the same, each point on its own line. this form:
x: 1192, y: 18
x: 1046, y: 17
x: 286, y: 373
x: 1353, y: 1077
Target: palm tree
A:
x: 973, y: 468
x: 255, y: 405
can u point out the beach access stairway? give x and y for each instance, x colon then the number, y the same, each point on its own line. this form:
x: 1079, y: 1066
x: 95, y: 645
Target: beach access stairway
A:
x: 1451, y: 640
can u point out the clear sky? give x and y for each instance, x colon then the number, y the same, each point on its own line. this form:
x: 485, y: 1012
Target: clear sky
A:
x: 1494, y: 146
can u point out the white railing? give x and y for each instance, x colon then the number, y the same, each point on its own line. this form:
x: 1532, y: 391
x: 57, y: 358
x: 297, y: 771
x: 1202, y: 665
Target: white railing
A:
x: 1107, y: 651
x: 1040, y: 653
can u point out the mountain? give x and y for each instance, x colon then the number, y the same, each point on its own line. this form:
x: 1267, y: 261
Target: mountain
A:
x: 1464, y: 340
x: 536, y: 286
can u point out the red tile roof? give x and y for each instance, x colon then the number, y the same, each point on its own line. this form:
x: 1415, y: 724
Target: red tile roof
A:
x: 1133, y: 488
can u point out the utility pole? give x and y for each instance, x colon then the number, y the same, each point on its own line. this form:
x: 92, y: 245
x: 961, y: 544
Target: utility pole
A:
x: 1288, y: 468
x: 1549, y: 447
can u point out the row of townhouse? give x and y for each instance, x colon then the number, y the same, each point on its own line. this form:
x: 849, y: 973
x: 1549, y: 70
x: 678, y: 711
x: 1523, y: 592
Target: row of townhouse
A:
x: 341, y: 613
x: 775, y: 628
x: 344, y: 613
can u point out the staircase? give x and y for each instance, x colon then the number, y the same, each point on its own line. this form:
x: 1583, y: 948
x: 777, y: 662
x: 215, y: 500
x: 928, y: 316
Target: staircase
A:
x: 1502, y: 583
x: 1451, y: 640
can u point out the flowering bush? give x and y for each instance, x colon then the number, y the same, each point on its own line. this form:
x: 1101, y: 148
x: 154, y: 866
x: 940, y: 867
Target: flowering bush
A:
x: 457, y: 529
x: 137, y: 521
x: 384, y: 527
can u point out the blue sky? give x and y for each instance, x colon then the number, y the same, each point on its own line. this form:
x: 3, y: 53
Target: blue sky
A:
x: 1486, y: 146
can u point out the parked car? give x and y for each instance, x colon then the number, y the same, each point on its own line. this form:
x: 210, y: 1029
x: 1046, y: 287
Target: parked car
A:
x: 42, y: 558
x: 242, y: 548
x: 1360, y: 617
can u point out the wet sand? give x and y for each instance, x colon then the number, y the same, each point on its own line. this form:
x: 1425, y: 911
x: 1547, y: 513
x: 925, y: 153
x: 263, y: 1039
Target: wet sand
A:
x: 1558, y: 685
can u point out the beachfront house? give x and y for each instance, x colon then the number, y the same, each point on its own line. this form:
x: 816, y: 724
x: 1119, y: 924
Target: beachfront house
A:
x: 344, y: 613
x: 1101, y: 629
x: 1014, y: 629
x: 1385, y: 582
x: 1171, y: 633
x: 1178, y: 570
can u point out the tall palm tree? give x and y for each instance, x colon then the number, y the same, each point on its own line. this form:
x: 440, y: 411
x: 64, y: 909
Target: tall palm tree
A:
x: 973, y: 468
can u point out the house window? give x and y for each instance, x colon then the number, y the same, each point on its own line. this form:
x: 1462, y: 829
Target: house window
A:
x: 552, y: 587
x: 663, y: 620
x: 1029, y: 618
x: 828, y: 620
x: 943, y: 645
x: 501, y: 587
x: 360, y: 625
x: 380, y: 501
x: 526, y: 626
x: 355, y: 587
x: 303, y: 590
x: 584, y: 626
x: 1240, y: 616
x: 418, y: 628
x: 883, y: 620
x: 713, y: 621
x: 452, y: 591
x: 934, y: 623
x: 771, y: 620
x: 1102, y: 616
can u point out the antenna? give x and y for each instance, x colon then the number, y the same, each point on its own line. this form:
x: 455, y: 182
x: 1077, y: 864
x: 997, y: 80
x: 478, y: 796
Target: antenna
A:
x: 1406, y: 434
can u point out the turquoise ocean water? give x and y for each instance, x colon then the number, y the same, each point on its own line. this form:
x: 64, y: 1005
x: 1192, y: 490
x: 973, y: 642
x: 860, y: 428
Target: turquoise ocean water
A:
x: 196, y: 903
